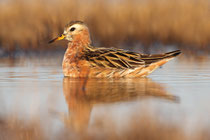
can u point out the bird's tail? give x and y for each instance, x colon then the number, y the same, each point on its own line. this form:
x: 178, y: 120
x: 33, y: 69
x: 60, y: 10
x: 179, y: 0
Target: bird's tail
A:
x: 150, y: 59
x: 155, y: 61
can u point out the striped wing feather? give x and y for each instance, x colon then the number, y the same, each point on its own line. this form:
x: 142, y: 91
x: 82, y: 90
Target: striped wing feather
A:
x: 114, y: 58
x: 149, y: 59
x: 123, y: 59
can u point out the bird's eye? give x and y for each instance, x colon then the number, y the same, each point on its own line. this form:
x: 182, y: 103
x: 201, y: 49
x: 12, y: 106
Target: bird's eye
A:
x: 72, y: 29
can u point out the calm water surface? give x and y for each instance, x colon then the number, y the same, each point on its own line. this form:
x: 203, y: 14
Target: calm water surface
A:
x: 35, y: 89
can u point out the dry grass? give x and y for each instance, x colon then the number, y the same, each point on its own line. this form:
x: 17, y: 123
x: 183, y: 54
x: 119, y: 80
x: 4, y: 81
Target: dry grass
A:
x: 145, y: 127
x: 29, y: 25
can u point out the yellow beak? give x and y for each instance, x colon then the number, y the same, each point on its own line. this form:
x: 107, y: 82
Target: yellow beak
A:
x: 58, y: 38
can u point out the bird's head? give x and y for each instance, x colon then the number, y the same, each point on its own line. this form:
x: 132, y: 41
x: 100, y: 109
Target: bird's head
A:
x: 75, y: 31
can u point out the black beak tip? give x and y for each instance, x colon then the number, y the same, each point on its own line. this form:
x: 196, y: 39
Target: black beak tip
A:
x: 51, y: 41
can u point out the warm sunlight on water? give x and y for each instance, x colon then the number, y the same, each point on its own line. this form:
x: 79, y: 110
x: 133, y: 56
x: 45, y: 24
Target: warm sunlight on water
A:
x: 35, y: 97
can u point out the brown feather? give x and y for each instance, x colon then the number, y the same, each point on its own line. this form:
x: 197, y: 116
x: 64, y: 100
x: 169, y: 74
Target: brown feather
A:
x: 122, y: 59
x: 113, y: 58
x: 149, y: 59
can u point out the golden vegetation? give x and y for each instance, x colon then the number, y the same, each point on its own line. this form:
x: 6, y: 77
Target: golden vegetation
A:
x: 139, y: 127
x: 31, y: 24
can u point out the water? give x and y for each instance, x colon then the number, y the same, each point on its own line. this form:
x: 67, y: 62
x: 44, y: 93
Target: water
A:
x: 34, y: 91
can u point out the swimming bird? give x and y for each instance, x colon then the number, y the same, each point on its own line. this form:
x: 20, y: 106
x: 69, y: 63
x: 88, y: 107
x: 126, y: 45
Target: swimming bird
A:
x: 81, y: 59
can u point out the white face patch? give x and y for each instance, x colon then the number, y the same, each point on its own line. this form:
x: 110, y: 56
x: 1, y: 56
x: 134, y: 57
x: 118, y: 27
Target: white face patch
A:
x: 77, y: 27
x: 65, y: 32
x: 73, y: 30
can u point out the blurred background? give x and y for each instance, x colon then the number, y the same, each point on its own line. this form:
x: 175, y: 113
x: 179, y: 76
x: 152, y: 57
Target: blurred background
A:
x: 27, y: 25
x: 38, y: 102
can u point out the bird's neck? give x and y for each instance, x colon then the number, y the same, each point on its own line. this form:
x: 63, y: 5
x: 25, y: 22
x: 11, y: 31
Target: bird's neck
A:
x: 82, y: 38
x: 75, y: 50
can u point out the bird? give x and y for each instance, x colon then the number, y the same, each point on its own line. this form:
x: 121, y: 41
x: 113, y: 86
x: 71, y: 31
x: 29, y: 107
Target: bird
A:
x: 83, y: 60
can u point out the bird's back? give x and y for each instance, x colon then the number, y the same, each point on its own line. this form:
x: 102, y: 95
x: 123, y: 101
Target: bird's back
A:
x: 110, y: 62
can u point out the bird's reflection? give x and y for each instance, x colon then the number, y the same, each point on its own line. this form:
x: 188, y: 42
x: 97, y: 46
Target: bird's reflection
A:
x: 82, y: 94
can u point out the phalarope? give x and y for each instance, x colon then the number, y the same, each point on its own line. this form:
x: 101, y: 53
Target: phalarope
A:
x: 83, y: 60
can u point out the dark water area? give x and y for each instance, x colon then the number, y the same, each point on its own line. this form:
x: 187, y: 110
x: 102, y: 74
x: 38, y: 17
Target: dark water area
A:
x: 37, y: 101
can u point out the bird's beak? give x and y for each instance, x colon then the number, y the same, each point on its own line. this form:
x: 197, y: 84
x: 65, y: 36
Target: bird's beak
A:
x: 58, y: 38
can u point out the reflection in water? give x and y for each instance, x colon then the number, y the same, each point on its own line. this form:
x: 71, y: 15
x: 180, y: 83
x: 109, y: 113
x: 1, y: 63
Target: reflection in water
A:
x: 80, y: 100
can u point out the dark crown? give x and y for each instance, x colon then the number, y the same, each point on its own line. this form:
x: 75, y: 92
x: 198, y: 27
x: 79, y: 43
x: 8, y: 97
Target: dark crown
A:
x: 74, y: 22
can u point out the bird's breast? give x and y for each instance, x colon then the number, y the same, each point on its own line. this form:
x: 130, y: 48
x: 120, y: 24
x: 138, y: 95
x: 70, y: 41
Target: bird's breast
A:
x: 75, y: 66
